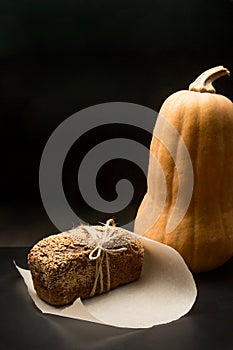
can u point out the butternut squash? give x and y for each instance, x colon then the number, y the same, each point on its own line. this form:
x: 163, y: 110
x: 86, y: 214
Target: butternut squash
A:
x: 204, y: 122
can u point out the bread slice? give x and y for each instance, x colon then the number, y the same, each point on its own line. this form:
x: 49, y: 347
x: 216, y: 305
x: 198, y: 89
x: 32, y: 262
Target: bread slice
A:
x: 84, y: 261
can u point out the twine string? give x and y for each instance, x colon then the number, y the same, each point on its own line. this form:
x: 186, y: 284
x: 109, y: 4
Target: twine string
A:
x: 101, y: 251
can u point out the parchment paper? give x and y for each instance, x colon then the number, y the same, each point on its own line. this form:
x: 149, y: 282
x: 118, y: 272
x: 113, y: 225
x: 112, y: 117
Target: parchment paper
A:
x: 165, y: 291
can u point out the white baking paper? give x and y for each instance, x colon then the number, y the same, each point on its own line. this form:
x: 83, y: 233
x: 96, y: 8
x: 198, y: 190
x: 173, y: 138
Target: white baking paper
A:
x: 165, y: 291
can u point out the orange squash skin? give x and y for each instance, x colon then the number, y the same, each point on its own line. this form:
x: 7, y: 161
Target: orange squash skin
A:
x: 204, y: 237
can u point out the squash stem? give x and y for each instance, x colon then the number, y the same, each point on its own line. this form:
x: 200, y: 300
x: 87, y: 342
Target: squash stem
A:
x: 204, y: 82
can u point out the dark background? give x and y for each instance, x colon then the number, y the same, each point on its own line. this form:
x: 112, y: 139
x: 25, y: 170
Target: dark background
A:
x: 58, y: 57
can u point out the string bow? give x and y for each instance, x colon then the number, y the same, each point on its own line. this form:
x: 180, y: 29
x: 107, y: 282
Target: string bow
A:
x: 102, y: 250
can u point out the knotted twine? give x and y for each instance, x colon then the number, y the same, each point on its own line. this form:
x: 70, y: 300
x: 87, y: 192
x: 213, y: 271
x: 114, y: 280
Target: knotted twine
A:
x: 101, y: 252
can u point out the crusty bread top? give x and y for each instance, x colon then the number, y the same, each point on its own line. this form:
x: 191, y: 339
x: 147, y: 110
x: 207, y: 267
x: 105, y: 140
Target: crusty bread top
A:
x: 56, y: 250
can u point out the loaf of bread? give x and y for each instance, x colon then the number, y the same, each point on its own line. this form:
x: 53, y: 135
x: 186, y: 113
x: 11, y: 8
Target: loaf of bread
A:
x: 83, y: 262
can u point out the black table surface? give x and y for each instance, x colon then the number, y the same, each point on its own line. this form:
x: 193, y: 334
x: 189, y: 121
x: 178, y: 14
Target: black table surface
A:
x: 209, y: 324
